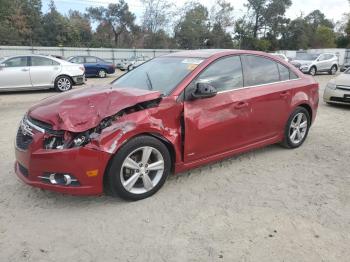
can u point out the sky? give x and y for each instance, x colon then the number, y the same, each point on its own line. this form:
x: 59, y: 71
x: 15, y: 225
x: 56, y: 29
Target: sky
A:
x: 333, y: 9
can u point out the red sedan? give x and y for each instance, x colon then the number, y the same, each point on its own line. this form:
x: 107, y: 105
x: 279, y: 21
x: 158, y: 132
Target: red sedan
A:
x: 171, y: 114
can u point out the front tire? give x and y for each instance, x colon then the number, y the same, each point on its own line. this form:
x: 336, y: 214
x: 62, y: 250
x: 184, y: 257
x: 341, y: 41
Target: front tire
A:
x: 313, y: 71
x: 297, y: 128
x: 139, y: 169
x: 63, y: 84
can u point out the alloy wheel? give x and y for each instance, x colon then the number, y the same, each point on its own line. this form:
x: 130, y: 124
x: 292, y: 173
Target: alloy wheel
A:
x: 142, y: 170
x: 298, y: 128
x: 64, y: 84
x: 313, y: 71
x: 334, y: 70
x: 102, y: 74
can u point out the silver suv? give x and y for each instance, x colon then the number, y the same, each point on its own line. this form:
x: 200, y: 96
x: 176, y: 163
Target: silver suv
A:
x: 314, y: 63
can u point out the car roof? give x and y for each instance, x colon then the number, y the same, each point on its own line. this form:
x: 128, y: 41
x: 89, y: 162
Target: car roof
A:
x: 207, y: 53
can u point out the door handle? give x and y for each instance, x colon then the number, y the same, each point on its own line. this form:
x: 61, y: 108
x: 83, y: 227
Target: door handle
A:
x: 241, y: 105
x: 25, y: 69
x: 284, y: 94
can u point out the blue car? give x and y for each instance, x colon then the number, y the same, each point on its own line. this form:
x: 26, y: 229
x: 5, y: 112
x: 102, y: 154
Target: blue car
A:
x: 94, y: 66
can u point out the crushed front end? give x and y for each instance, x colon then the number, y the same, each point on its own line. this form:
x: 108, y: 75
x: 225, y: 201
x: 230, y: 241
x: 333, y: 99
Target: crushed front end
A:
x: 57, y: 160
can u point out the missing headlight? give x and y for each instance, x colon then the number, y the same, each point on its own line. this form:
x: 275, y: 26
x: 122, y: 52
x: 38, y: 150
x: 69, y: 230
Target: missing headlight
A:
x: 54, y: 142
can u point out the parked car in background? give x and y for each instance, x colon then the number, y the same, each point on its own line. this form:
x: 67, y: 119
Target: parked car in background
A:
x: 131, y: 63
x: 337, y: 90
x: 171, y: 114
x: 94, y: 66
x: 314, y: 63
x: 344, y: 67
x: 282, y: 56
x: 39, y: 72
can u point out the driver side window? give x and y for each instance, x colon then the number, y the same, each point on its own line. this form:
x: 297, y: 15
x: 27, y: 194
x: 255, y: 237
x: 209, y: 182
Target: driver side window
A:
x: 223, y: 74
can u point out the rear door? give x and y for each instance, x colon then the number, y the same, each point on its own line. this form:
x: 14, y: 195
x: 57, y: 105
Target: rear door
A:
x: 90, y: 65
x: 15, y: 73
x: 268, y: 91
x: 43, y: 71
x: 217, y: 124
x: 323, y: 63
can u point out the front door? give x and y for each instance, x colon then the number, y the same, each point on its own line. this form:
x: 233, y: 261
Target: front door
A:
x: 218, y: 124
x: 14, y: 73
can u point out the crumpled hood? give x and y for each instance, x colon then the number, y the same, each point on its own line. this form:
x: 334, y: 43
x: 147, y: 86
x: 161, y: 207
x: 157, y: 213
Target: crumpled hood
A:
x: 83, y: 109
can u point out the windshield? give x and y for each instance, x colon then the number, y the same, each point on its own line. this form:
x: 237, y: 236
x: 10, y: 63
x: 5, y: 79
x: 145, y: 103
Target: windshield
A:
x: 304, y: 56
x: 161, y: 74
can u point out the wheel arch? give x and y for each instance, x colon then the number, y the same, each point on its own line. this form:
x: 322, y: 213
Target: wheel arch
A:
x: 315, y: 66
x: 66, y: 75
x: 157, y: 136
x: 308, y: 108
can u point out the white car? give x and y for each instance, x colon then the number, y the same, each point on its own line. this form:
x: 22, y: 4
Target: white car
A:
x: 39, y: 72
x: 314, y: 63
x: 131, y: 63
x: 337, y: 90
x: 282, y: 56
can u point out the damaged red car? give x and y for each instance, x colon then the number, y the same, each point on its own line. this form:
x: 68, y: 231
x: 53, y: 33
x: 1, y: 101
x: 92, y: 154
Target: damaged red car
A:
x: 171, y: 114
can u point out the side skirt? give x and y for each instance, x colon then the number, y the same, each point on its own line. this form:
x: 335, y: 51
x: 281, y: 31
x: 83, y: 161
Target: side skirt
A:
x: 181, y: 167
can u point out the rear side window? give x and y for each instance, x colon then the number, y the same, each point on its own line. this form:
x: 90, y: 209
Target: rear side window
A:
x: 77, y: 60
x: 90, y: 59
x: 284, y: 72
x: 17, y: 62
x: 224, y: 74
x: 42, y: 61
x: 259, y: 70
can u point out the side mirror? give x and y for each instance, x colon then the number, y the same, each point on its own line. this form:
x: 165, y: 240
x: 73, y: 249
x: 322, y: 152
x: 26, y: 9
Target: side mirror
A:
x: 204, y: 90
x: 2, y: 66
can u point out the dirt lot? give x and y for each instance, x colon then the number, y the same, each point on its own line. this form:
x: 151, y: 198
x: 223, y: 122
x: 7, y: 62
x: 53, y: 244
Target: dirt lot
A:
x: 268, y: 205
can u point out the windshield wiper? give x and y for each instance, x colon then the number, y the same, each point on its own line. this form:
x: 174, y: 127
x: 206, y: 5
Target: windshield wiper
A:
x: 149, y: 81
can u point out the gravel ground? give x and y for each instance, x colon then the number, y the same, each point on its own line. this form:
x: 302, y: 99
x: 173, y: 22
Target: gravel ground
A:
x: 268, y: 205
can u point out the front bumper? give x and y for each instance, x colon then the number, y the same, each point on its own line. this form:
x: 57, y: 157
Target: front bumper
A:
x: 305, y: 69
x: 79, y: 80
x: 337, y: 96
x: 31, y: 164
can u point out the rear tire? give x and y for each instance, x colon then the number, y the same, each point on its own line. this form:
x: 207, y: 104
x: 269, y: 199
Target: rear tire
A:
x: 333, y: 70
x: 102, y: 73
x: 297, y: 128
x: 63, y: 83
x: 139, y: 169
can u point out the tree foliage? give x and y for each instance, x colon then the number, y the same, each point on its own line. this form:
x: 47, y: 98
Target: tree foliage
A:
x: 264, y: 26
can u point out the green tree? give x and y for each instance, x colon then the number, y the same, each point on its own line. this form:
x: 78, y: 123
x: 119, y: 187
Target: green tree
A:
x: 192, y: 31
x: 155, y: 21
x: 56, y: 28
x: 80, y: 28
x: 119, y: 18
x: 324, y: 37
x: 296, y: 35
